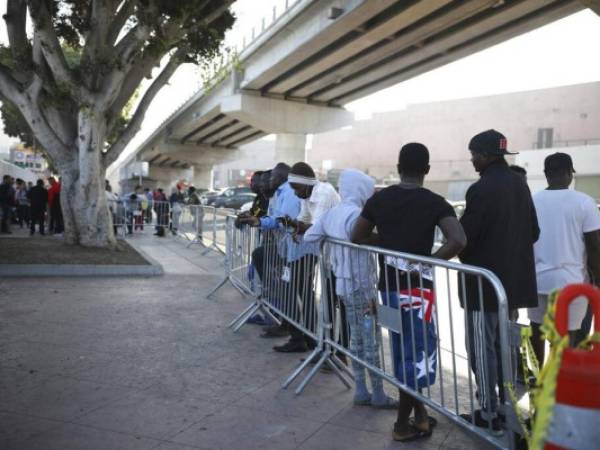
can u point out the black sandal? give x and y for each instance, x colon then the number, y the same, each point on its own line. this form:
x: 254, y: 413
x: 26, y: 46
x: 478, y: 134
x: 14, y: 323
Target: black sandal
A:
x: 414, y: 435
x: 426, y: 433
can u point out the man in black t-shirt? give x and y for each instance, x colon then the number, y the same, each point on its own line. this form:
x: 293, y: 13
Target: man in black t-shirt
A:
x: 406, y: 216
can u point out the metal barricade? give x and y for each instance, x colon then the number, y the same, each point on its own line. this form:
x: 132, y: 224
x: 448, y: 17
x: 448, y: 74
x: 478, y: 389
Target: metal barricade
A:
x: 405, y: 308
x: 131, y: 216
x: 240, y: 242
x: 191, y: 224
x: 413, y: 321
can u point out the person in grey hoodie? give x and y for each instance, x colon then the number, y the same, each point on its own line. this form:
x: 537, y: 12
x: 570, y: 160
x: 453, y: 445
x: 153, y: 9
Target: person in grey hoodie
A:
x: 356, y: 280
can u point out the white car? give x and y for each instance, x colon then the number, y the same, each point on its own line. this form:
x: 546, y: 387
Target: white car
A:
x: 246, y: 207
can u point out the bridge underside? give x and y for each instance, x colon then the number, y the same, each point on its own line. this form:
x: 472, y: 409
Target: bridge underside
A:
x: 327, y: 53
x: 374, y: 45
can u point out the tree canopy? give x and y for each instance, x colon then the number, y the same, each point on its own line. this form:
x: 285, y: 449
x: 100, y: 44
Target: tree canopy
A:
x: 94, y: 54
x: 73, y: 76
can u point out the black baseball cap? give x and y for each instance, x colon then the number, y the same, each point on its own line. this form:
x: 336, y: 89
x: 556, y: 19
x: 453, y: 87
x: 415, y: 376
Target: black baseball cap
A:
x: 558, y: 161
x: 490, y: 142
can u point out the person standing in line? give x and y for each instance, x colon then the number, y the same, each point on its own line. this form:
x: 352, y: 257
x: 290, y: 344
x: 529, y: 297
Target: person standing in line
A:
x: 260, y: 203
x: 501, y: 227
x: 7, y: 201
x: 193, y: 200
x: 175, y: 202
x: 56, y: 217
x: 22, y: 203
x: 569, y: 243
x: 149, y: 205
x: 355, y: 274
x: 112, y: 200
x: 316, y: 198
x: 161, y: 208
x: 406, y: 216
x: 283, y: 204
x: 38, y: 199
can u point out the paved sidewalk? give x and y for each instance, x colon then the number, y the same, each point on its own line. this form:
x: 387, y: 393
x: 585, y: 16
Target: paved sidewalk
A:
x: 149, y: 363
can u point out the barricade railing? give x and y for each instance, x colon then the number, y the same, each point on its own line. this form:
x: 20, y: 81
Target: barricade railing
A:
x: 414, y: 319
x: 134, y: 215
x: 198, y: 224
x: 204, y: 225
x: 409, y: 317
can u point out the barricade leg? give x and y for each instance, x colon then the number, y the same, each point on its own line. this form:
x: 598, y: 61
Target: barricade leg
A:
x: 323, y: 353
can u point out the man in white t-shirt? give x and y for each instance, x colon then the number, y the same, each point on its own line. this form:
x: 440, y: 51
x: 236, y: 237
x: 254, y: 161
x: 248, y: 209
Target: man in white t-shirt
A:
x: 568, y: 246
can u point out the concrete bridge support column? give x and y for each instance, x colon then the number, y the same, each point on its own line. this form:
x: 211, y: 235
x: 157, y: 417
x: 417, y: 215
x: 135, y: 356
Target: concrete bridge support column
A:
x: 290, y: 148
x: 167, y: 177
x: 202, y: 177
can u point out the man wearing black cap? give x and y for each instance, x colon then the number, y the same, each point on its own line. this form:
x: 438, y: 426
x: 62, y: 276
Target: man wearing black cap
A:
x: 501, y: 227
x: 569, y: 244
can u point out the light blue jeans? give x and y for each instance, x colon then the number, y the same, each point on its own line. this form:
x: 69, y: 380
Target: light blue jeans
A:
x: 364, y: 342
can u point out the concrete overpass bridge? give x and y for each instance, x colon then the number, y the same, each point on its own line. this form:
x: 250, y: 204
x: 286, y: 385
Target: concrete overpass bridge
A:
x: 295, y: 77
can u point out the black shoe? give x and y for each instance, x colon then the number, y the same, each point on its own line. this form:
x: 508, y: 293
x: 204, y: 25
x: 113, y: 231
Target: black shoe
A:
x: 291, y: 347
x: 275, y: 332
x: 480, y: 422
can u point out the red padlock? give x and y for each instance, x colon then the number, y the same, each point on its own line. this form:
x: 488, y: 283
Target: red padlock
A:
x: 576, y: 418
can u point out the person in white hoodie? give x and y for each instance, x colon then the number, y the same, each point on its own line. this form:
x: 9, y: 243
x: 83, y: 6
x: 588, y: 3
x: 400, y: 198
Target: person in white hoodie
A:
x: 356, y: 280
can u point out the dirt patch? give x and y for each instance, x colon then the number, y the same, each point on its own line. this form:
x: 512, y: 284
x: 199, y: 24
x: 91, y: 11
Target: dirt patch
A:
x: 51, y: 250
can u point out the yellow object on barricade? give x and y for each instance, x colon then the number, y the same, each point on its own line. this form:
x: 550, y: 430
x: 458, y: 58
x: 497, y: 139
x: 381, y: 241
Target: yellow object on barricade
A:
x: 565, y: 401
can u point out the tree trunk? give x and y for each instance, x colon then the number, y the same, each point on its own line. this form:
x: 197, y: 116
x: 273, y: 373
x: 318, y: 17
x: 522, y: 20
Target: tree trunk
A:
x: 83, y: 199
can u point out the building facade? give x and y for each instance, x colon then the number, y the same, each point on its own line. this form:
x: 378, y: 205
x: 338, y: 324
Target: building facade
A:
x: 535, y: 123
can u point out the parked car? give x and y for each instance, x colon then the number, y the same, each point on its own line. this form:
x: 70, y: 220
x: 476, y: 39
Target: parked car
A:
x: 208, y: 198
x: 234, y: 198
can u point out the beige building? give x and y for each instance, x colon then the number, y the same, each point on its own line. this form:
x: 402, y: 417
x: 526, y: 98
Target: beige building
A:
x: 565, y: 118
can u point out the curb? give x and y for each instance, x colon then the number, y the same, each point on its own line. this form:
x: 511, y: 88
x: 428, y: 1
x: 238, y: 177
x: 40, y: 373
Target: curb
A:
x: 84, y: 270
x: 78, y: 270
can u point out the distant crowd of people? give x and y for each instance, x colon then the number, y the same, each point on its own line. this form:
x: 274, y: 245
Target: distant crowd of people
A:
x: 533, y: 244
x: 26, y: 205
x: 137, y: 207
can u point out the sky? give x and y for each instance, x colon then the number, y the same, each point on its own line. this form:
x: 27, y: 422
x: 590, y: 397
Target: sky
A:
x: 562, y: 53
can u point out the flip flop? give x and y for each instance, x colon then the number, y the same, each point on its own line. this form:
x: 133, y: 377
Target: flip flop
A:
x: 432, y: 424
x: 415, y: 434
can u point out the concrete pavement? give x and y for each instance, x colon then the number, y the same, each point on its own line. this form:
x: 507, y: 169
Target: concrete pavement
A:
x: 149, y: 363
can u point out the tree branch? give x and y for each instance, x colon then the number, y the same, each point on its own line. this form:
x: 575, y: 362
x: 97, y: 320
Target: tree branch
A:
x: 16, y: 19
x: 218, y: 12
x: 119, y: 21
x: 52, y: 50
x: 132, y: 43
x: 26, y: 101
x: 136, y: 121
x: 9, y: 86
x: 98, y: 30
x: 142, y: 69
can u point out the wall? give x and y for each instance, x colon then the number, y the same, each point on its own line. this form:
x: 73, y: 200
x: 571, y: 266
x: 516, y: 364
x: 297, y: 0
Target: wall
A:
x: 446, y: 128
x: 14, y: 171
x: 586, y: 160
